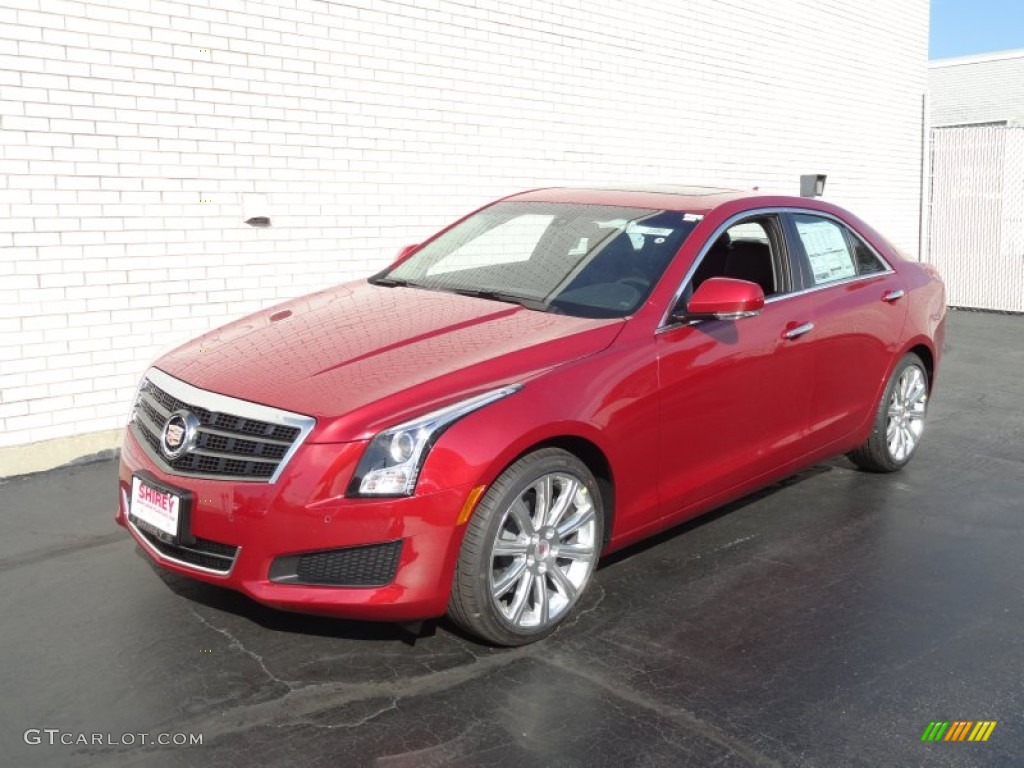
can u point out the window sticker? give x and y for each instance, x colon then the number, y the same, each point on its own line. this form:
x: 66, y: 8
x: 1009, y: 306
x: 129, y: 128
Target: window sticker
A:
x: 581, y: 248
x: 640, y: 229
x: 638, y: 234
x: 826, y: 250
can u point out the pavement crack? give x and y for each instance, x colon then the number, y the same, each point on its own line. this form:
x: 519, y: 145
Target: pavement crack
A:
x: 442, y: 753
x: 393, y: 704
x: 581, y: 612
x: 236, y: 644
x: 390, y: 706
x: 469, y: 649
x: 302, y: 703
x: 733, y: 543
x: 678, y: 715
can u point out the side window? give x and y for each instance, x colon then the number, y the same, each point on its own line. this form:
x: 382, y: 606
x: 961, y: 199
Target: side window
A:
x: 745, y: 251
x: 867, y: 261
x: 828, y: 253
x: 511, y: 241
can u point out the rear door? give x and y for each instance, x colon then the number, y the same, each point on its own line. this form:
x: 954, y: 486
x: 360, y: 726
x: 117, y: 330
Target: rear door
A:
x: 858, y: 312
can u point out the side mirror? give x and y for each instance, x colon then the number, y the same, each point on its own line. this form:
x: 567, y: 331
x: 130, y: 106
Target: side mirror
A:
x: 724, y: 298
x: 404, y: 254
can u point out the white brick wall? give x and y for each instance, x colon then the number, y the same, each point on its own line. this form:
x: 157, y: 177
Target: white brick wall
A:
x: 131, y: 129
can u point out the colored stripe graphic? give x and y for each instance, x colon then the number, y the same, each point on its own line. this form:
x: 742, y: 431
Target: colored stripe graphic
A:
x: 935, y: 730
x: 982, y: 730
x: 958, y: 730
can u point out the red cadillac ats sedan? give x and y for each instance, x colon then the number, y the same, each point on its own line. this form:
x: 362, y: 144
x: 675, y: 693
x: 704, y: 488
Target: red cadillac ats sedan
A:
x: 555, y: 376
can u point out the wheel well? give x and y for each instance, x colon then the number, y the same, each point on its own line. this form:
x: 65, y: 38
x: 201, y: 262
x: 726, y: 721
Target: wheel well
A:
x: 928, y: 359
x: 597, y: 463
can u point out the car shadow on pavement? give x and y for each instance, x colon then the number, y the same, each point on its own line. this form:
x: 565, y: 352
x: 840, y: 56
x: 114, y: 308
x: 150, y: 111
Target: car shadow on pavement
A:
x: 703, y: 519
x: 229, y: 601
x: 273, y: 619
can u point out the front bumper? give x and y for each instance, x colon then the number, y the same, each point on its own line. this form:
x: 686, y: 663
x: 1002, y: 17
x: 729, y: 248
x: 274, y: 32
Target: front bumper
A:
x: 305, y: 511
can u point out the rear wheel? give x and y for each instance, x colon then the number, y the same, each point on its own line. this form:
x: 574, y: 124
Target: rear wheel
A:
x: 529, y: 550
x: 899, y: 421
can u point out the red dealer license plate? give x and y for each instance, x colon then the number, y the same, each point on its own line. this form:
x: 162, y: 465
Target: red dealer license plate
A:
x: 156, y: 509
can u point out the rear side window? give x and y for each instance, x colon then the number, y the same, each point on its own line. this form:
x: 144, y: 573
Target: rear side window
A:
x: 828, y: 250
x: 867, y: 261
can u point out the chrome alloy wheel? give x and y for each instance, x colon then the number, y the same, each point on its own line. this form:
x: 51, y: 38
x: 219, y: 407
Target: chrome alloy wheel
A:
x: 907, y: 407
x: 543, y: 552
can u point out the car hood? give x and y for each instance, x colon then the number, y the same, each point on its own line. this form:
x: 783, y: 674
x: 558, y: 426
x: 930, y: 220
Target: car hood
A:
x: 359, y: 357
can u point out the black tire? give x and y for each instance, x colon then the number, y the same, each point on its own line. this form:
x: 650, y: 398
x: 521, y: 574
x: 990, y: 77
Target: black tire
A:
x: 878, y: 453
x: 473, y: 604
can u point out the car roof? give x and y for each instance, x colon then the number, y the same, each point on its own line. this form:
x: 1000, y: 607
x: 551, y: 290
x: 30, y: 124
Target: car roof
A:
x: 689, y: 199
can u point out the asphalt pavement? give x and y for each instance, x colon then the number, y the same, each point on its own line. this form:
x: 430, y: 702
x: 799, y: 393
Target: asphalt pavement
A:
x: 825, y: 621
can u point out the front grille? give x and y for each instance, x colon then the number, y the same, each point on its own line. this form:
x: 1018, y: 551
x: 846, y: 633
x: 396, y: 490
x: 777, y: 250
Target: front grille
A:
x: 227, y: 445
x: 373, y: 565
x: 211, y: 555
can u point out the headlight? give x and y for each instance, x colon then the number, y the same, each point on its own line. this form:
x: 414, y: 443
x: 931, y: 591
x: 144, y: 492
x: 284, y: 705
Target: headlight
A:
x: 392, y: 461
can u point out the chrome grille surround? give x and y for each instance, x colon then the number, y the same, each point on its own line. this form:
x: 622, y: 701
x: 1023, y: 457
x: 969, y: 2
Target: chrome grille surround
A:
x: 237, y: 440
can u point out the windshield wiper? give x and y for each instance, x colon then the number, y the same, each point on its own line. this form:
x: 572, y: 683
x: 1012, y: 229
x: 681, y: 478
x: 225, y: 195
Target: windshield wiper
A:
x: 391, y: 282
x: 476, y: 293
x: 510, y: 298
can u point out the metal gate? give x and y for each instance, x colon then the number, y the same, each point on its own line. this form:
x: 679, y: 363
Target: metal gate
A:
x: 976, y: 216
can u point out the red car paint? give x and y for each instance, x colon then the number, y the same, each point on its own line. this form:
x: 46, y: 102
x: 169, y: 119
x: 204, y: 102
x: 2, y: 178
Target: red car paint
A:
x: 684, y: 418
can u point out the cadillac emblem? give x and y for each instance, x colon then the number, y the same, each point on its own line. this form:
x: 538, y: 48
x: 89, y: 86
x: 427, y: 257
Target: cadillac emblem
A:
x: 179, y: 435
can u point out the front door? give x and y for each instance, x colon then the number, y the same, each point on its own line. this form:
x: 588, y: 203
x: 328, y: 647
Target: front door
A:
x: 735, y: 394
x: 735, y: 400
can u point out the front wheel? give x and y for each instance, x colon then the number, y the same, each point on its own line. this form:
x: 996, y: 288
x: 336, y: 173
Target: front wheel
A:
x: 529, y: 550
x: 899, y: 421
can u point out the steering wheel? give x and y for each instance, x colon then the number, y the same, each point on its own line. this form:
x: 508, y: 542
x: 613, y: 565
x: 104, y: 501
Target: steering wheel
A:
x: 638, y: 283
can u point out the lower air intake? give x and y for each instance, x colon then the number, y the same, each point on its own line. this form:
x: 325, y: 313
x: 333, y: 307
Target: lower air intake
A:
x: 373, y: 565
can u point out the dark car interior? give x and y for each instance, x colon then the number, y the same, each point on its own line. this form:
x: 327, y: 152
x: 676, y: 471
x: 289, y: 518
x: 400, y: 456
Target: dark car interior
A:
x: 750, y: 250
x: 739, y: 259
x: 623, y: 271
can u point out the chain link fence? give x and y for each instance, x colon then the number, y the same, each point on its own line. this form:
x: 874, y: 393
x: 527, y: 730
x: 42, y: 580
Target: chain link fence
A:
x: 976, y: 215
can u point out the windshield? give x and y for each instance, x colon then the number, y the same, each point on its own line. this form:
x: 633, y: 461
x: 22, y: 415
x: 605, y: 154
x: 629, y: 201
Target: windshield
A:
x: 585, y: 260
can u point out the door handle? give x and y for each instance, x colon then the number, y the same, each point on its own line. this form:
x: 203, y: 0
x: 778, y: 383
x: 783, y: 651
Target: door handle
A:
x: 798, y: 330
x: 894, y: 295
